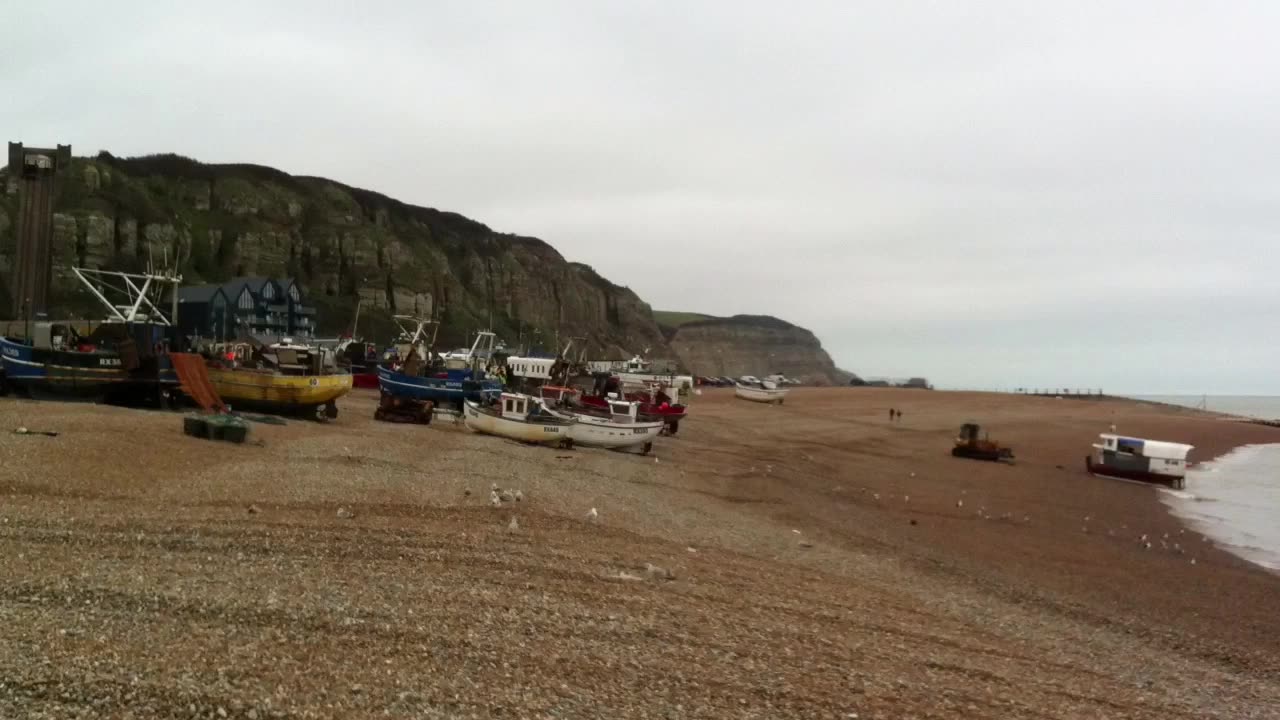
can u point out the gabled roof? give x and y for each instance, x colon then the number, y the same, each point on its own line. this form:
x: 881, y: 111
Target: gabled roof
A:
x: 198, y: 293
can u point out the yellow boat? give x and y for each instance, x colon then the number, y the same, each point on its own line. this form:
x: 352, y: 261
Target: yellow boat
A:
x: 273, y: 391
x: 282, y: 377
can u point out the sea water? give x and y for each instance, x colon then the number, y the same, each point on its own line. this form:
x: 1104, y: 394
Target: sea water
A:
x: 1234, y: 499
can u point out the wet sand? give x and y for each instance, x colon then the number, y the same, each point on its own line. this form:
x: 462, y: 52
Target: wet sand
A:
x: 825, y: 562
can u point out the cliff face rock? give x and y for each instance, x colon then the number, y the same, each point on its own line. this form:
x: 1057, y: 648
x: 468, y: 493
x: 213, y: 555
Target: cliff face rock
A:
x: 221, y: 221
x: 753, y: 345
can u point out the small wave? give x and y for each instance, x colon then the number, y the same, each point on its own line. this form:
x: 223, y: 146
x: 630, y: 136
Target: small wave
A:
x: 1183, y: 494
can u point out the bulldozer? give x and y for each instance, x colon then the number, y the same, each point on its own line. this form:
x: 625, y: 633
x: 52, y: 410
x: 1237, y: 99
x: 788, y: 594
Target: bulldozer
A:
x: 975, y: 444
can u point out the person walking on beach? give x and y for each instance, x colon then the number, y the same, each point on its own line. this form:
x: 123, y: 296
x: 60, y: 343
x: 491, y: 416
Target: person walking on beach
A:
x: 891, y: 413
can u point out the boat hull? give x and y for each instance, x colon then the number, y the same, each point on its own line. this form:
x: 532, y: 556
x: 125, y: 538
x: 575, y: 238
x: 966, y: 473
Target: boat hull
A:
x: 1177, y: 482
x: 760, y: 395
x: 441, y: 391
x: 594, y: 431
x: 275, y: 392
x: 552, y: 432
x: 79, y: 375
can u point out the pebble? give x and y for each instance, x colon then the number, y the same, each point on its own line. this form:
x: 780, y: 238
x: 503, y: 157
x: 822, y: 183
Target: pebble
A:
x: 345, y: 514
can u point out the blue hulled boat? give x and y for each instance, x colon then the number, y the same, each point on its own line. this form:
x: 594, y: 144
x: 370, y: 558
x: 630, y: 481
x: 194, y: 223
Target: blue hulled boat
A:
x: 422, y: 376
x: 452, y: 389
x: 124, y: 357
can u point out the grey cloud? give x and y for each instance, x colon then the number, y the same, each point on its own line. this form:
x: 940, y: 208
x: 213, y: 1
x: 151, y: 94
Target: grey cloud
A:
x: 980, y: 193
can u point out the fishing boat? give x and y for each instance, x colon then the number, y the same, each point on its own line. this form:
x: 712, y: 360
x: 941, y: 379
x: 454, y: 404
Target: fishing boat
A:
x: 520, y: 417
x: 282, y: 377
x: 1151, y: 461
x: 417, y: 374
x: 356, y: 356
x: 360, y: 359
x: 764, y: 391
x: 122, y: 358
x: 658, y: 401
x: 617, y: 428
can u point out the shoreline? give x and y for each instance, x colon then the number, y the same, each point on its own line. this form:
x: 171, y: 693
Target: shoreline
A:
x: 1228, y: 533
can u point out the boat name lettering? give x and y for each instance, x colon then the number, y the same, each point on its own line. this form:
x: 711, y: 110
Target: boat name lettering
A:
x: 551, y: 429
x: 109, y: 362
x: 11, y: 352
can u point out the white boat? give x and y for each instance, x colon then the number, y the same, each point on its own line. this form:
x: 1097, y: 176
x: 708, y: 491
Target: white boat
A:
x: 1138, y: 459
x: 764, y: 392
x: 617, y: 428
x: 520, y: 417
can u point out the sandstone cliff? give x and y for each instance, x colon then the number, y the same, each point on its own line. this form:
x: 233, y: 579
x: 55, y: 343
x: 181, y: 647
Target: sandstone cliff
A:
x: 220, y: 221
x: 749, y: 345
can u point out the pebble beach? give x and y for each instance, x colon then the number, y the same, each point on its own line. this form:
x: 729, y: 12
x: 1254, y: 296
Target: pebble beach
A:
x: 808, y: 560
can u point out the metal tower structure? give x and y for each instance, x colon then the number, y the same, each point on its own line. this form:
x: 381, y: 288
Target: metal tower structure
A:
x: 35, y: 173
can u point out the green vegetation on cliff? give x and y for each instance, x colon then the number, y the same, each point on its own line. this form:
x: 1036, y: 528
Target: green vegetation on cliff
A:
x: 221, y: 221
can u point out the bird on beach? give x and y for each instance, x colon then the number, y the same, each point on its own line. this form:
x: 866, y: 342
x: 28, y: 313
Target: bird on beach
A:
x: 959, y: 503
x: 514, y: 525
x: 592, y: 515
x: 493, y: 487
x: 519, y: 496
x: 1193, y: 561
x: 1146, y: 546
x: 1143, y: 538
x: 494, y: 500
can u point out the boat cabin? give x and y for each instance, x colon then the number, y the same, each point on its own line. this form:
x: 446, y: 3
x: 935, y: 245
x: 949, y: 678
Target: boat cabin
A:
x: 513, y: 406
x: 1140, y: 455
x: 623, y: 411
x: 534, y: 368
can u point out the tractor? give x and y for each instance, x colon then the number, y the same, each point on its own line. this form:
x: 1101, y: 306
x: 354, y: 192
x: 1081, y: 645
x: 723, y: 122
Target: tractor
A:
x: 973, y: 443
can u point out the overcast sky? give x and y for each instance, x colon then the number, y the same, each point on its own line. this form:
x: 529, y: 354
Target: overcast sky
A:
x: 991, y: 194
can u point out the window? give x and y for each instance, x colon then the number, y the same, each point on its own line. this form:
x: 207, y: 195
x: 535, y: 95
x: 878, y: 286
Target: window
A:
x: 268, y: 291
x: 293, y: 293
x: 246, y: 300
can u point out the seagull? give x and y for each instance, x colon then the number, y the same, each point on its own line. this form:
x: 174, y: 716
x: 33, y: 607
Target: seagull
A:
x: 959, y: 503
x: 906, y: 498
x: 1146, y: 546
x: 1143, y: 538
x: 876, y: 496
x: 519, y: 496
x: 514, y: 525
x: 494, y: 500
x: 493, y: 487
x: 592, y: 515
x: 1193, y: 561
